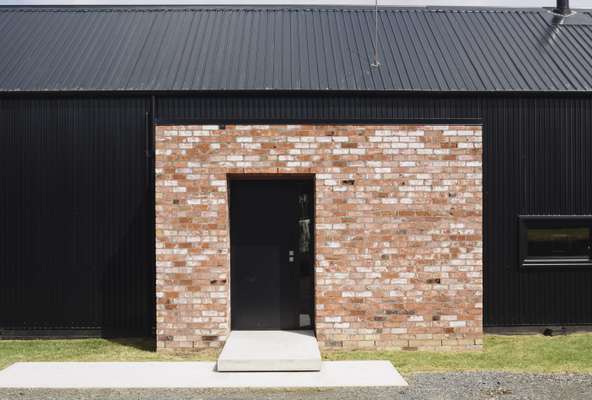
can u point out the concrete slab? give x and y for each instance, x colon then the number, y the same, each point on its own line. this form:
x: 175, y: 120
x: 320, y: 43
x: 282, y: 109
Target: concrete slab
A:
x: 270, y: 351
x: 138, y: 375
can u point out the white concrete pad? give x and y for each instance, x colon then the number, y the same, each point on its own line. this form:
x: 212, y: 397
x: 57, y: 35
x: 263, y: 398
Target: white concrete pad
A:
x: 270, y: 351
x: 66, y: 375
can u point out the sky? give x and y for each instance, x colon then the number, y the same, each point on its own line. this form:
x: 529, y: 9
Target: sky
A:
x: 490, y: 3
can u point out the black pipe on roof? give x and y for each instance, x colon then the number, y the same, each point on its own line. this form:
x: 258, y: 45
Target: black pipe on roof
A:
x: 562, y: 7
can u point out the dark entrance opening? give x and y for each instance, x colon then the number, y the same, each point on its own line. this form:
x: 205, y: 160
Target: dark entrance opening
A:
x: 272, y: 253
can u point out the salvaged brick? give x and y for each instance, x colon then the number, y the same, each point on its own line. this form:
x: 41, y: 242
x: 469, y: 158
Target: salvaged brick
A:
x: 398, y: 230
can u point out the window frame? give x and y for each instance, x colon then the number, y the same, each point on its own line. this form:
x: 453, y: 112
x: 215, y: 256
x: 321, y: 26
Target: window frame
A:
x: 550, y: 221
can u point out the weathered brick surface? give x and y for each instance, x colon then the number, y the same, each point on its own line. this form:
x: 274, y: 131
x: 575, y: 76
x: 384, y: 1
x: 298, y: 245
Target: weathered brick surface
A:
x: 398, y: 230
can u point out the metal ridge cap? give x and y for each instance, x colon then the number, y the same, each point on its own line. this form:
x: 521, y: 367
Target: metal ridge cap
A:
x: 263, y: 7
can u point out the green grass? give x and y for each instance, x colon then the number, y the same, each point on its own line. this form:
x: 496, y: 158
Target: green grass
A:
x: 533, y: 353
x: 12, y: 351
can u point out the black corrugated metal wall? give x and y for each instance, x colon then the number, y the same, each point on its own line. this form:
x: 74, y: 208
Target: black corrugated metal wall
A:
x: 537, y: 164
x: 76, y: 232
x: 76, y: 211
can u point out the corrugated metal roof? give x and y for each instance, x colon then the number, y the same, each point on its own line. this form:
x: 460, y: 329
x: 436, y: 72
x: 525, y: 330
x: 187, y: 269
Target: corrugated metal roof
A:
x: 296, y: 48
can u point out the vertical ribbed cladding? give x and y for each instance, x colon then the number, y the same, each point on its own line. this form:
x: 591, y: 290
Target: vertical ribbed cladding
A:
x: 554, y: 180
x: 77, y: 213
x: 8, y: 286
x: 536, y: 163
x: 76, y: 239
x: 331, y: 107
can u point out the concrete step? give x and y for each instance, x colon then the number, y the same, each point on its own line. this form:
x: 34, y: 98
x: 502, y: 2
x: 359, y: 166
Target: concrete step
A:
x: 270, y: 351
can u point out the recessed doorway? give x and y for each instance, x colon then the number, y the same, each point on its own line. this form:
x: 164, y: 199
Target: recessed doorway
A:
x: 272, y: 253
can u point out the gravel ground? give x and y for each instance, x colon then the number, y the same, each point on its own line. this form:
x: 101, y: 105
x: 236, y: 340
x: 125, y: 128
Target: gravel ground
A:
x: 436, y: 386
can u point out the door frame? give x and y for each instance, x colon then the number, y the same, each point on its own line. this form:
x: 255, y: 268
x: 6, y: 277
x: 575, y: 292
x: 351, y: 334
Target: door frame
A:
x: 311, y: 177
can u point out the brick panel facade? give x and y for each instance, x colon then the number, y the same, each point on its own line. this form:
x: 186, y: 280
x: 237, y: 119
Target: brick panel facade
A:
x: 398, y: 230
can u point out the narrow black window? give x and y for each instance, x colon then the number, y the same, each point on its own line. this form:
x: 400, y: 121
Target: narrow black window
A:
x: 555, y: 240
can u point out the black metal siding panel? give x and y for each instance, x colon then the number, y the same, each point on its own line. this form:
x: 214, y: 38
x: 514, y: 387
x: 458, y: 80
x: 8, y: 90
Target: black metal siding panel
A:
x: 330, y: 107
x: 76, y: 238
x: 291, y: 48
x: 556, y: 180
x: 77, y: 233
x: 536, y: 161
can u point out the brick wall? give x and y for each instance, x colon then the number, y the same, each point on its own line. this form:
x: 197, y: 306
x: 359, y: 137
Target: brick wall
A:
x: 398, y: 230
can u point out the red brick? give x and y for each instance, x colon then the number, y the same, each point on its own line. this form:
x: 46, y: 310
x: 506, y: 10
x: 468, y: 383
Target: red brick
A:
x: 398, y: 230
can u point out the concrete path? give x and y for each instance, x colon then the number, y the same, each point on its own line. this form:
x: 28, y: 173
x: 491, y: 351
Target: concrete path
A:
x: 270, y: 351
x: 60, y: 375
x: 434, y: 386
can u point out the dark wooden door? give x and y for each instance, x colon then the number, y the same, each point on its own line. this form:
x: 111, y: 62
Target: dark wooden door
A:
x: 265, y: 274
